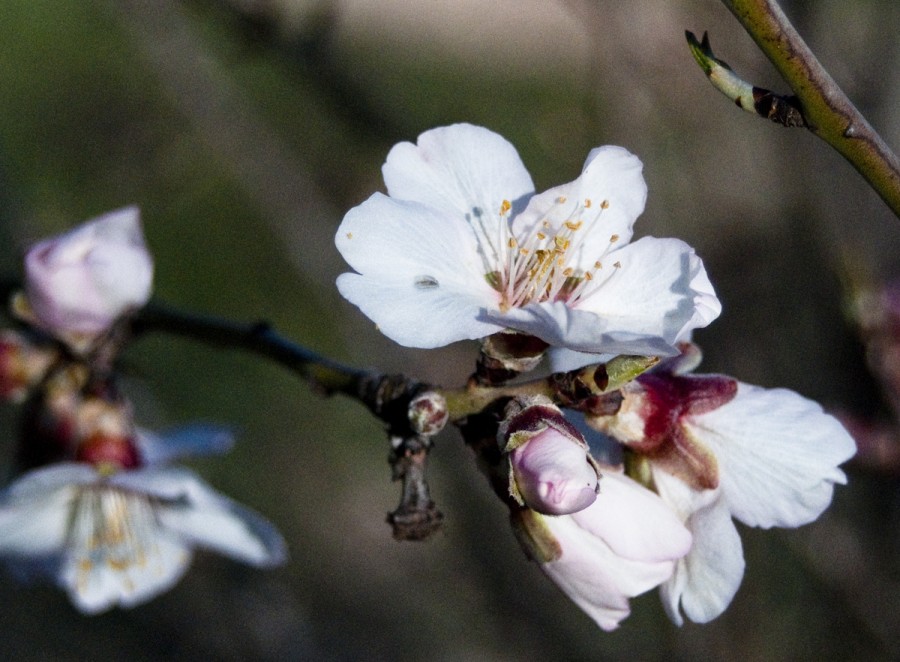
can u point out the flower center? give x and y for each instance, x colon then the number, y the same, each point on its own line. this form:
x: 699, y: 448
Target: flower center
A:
x: 543, y: 263
x: 114, y: 531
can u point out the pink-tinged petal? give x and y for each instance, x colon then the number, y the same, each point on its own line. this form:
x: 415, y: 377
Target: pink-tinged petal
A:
x: 186, y: 441
x: 778, y: 452
x: 594, y: 577
x: 553, y: 474
x: 464, y: 168
x: 81, y: 281
x: 421, y: 278
x: 707, y: 579
x: 606, y: 198
x: 634, y: 521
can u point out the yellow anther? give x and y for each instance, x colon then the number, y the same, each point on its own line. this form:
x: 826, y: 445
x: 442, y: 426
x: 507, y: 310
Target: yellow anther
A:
x: 541, y: 236
x: 561, y: 243
x: 512, y: 243
x: 613, y: 239
x: 349, y: 235
x: 587, y: 203
x: 561, y: 199
x: 604, y: 204
x: 573, y: 225
x: 523, y: 251
x: 568, y: 272
x: 588, y: 275
x: 505, y: 206
x: 598, y: 264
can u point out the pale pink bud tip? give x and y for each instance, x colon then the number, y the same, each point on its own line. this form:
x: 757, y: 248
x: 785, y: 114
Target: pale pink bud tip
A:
x: 553, y: 474
x: 82, y: 280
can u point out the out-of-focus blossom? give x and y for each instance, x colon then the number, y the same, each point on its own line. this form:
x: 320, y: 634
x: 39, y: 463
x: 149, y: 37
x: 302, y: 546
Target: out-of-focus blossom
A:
x: 551, y: 470
x: 717, y: 449
x: 112, y: 529
x: 462, y: 248
x: 624, y: 544
x: 81, y: 281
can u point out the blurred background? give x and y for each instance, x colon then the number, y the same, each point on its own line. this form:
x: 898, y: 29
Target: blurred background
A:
x: 244, y: 129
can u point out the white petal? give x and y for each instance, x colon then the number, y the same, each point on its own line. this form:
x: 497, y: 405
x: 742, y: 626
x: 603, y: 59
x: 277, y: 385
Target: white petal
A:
x: 596, y: 578
x: 562, y: 359
x: 186, y: 441
x: 422, y: 278
x: 195, y: 512
x: 657, y: 294
x: 707, y: 579
x: 459, y: 168
x: 37, y: 483
x: 116, y: 553
x: 778, y: 454
x: 611, y: 175
x: 36, y: 525
x: 581, y: 330
x: 634, y: 521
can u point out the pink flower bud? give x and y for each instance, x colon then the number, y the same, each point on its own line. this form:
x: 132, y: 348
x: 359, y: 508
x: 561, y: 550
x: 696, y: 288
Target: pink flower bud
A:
x: 551, y: 469
x: 82, y: 280
x: 553, y: 474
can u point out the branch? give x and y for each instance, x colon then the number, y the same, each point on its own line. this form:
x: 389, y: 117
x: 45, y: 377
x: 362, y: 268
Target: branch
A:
x: 826, y: 110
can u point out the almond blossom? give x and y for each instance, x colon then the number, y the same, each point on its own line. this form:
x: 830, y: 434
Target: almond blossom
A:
x: 115, y: 529
x: 716, y: 449
x: 624, y: 544
x: 461, y: 248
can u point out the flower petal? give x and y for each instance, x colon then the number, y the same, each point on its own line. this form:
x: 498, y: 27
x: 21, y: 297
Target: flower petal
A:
x: 186, y: 441
x: 656, y: 295
x: 461, y: 167
x: 596, y: 578
x: 606, y: 198
x: 37, y: 483
x: 195, y: 512
x: 778, y: 453
x: 116, y: 552
x: 422, y: 279
x: 581, y: 330
x: 707, y: 579
x: 34, y: 523
x: 634, y: 521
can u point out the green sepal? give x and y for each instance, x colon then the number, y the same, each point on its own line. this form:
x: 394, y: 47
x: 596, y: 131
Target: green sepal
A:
x: 535, y: 536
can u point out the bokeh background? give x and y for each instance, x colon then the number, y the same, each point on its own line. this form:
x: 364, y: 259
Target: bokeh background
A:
x: 245, y: 128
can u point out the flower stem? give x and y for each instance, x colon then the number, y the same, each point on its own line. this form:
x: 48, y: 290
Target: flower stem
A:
x: 258, y: 338
x: 828, y: 111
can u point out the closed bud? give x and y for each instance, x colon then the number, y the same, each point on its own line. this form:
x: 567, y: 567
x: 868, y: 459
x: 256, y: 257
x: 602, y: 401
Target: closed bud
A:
x: 81, y: 281
x: 551, y: 470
